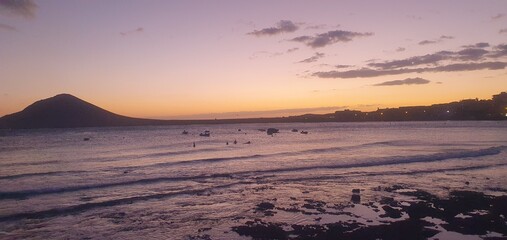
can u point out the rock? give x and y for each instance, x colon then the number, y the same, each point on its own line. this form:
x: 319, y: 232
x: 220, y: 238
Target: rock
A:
x: 261, y: 230
x: 356, y: 199
x: 265, y: 206
x: 391, y: 212
x: 271, y: 131
x: 419, y: 210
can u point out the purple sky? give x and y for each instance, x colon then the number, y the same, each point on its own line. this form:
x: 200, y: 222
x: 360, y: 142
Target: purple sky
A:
x: 200, y: 59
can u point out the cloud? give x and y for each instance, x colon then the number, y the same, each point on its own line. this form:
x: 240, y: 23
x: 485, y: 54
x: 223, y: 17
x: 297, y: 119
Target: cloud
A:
x: 501, y: 31
x: 446, y: 37
x: 407, y: 81
x: 467, y: 54
x: 292, y: 50
x: 137, y: 30
x: 499, y: 51
x: 498, y: 16
x: 6, y: 27
x: 400, y: 49
x: 368, y: 72
x: 478, y: 45
x: 283, y: 26
x: 21, y: 8
x: 413, y: 61
x: 414, y: 17
x: 440, y: 39
x: 472, y: 54
x: 328, y: 38
x: 426, y: 42
x: 314, y: 58
x: 342, y: 66
x: 317, y: 26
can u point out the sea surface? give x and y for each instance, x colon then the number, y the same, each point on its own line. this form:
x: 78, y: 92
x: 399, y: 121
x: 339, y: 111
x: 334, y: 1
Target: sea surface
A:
x: 152, y: 183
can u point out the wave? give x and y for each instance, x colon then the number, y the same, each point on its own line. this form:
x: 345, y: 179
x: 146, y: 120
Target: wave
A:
x: 389, y: 173
x: 393, y: 160
x: 115, y: 202
x: 23, y: 175
x: 241, y: 174
x: 130, y: 200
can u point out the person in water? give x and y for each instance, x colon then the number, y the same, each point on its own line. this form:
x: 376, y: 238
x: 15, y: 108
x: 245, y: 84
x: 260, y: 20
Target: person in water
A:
x: 194, y: 144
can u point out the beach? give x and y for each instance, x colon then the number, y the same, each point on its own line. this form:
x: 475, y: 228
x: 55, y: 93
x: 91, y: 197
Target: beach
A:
x: 380, y: 180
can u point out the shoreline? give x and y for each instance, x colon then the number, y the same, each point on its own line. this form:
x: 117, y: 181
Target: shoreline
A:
x: 410, y: 214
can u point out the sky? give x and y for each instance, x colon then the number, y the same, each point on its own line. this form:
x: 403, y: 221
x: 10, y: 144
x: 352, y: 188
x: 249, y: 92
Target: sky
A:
x: 221, y: 59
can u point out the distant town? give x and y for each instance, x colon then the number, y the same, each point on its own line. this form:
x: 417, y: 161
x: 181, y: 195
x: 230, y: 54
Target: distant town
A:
x: 470, y: 109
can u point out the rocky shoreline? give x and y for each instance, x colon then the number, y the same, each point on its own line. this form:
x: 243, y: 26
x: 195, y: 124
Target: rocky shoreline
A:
x: 409, y: 214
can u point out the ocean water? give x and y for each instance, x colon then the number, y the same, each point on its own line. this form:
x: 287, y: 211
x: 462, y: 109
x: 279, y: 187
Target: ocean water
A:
x: 150, y: 182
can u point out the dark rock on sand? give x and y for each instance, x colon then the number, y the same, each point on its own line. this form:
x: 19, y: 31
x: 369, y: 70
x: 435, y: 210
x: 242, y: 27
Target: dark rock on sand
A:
x: 261, y: 230
x: 265, y: 206
x: 391, y: 212
x: 355, y: 199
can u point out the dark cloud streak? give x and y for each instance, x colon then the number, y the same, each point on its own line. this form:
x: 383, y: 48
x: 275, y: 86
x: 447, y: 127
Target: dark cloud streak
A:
x: 328, y: 38
x: 368, y: 72
x: 21, y: 8
x: 6, y: 27
x: 314, y: 58
x: 137, y: 30
x: 407, y: 81
x: 284, y: 26
x: 498, y: 16
x: 440, y: 39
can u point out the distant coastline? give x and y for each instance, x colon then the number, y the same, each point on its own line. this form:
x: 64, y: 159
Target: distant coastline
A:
x: 67, y: 111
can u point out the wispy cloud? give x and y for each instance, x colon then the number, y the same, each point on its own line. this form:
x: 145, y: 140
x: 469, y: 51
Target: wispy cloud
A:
x: 467, y: 54
x: 407, y: 81
x: 292, y: 50
x: 283, y: 26
x: 5, y: 27
x: 314, y: 58
x: 368, y: 72
x: 498, y: 16
x: 438, y: 40
x: 317, y: 26
x: 477, y: 45
x: 342, y: 66
x: 134, y: 31
x: 400, y: 49
x: 21, y: 8
x: 328, y: 38
x: 502, y: 31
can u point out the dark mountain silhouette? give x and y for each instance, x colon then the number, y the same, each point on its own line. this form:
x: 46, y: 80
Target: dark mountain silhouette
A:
x: 67, y: 111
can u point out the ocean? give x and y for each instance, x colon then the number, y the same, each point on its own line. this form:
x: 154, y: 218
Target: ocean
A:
x: 152, y: 183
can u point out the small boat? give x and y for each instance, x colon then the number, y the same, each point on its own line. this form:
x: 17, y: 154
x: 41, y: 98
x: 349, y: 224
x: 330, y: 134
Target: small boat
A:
x: 271, y: 131
x: 205, y: 134
x: 184, y: 132
x: 86, y: 139
x: 294, y: 130
x: 304, y: 132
